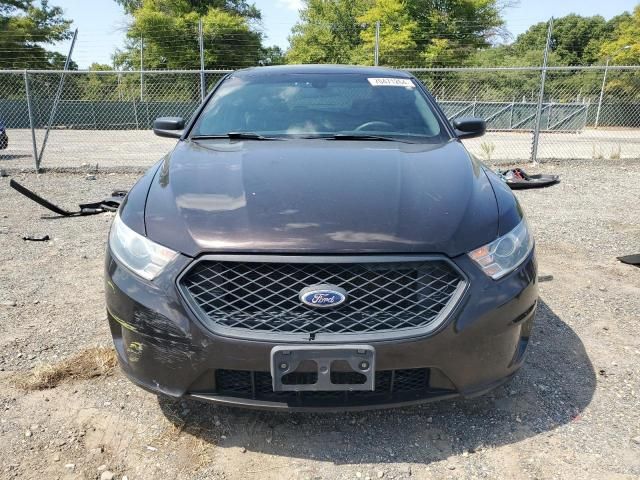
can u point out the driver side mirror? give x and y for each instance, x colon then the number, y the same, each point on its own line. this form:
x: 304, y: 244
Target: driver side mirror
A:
x: 170, y: 127
x: 469, y: 127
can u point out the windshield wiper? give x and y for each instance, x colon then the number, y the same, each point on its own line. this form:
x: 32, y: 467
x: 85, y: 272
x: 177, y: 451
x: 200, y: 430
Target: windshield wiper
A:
x: 355, y: 136
x: 235, y: 136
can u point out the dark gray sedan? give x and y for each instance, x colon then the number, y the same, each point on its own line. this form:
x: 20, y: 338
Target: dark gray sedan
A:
x: 319, y: 238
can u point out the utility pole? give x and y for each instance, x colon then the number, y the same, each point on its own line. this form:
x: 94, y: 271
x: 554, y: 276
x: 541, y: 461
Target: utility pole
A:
x: 203, y: 87
x: 376, y: 51
x: 543, y: 78
x: 604, y: 83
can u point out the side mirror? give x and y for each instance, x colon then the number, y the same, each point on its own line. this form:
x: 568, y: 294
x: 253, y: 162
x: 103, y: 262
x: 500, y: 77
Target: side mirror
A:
x: 170, y: 127
x: 469, y: 127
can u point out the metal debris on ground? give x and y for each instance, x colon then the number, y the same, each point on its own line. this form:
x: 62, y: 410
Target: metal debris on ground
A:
x: 33, y: 238
x: 518, y: 179
x: 109, y: 204
x: 631, y: 259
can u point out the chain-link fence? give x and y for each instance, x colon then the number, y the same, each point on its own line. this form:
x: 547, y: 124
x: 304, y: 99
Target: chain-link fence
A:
x: 65, y: 119
x: 585, y: 113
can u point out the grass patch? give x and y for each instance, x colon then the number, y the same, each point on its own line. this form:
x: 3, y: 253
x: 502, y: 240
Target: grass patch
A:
x: 90, y: 363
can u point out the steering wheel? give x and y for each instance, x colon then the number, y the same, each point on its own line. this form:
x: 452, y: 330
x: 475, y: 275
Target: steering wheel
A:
x: 376, y: 123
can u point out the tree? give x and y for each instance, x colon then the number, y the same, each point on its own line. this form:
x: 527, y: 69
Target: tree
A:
x: 25, y: 30
x: 328, y: 31
x: 452, y: 30
x: 623, y: 48
x: 241, y: 7
x: 413, y: 32
x: 271, y: 56
x: 397, y: 31
x: 575, y: 40
x: 625, y: 34
x: 167, y: 31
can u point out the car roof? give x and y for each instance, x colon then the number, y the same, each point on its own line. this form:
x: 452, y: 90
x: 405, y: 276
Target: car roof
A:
x: 321, y: 69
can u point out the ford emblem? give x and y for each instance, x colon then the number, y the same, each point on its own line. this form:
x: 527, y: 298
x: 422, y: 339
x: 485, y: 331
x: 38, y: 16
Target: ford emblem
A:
x: 323, y: 296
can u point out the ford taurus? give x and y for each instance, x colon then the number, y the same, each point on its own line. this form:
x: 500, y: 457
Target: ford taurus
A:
x: 320, y: 239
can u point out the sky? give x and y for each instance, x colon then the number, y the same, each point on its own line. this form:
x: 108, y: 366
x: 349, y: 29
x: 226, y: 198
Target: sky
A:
x: 101, y: 23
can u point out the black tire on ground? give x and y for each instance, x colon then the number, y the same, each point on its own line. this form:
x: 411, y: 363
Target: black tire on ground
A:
x: 4, y: 141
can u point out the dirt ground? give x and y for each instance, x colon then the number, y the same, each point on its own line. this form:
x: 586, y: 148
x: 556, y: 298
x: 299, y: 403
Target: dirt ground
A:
x: 572, y: 412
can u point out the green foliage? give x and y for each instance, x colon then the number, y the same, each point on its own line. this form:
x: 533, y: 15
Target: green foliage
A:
x: 169, y: 32
x: 25, y: 30
x: 397, y: 31
x: 413, y: 32
x: 625, y: 34
x: 575, y: 40
x: 624, y: 49
x: 271, y: 56
x: 240, y: 7
x: 328, y: 32
x: 451, y: 30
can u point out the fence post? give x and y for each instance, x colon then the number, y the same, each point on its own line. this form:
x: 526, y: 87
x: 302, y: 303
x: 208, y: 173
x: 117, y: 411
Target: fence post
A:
x: 56, y: 100
x: 604, y: 84
x: 513, y: 105
x: 141, y: 69
x: 203, y: 87
x: 376, y: 50
x: 543, y: 78
x: 135, y: 113
x: 31, y: 123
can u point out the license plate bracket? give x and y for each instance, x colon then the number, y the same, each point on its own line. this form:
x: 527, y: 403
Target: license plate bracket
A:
x: 286, y: 359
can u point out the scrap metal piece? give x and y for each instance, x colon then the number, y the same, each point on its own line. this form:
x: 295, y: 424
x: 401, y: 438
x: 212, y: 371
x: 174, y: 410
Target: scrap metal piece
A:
x: 109, y: 204
x: 630, y: 259
x: 33, y: 238
x: 39, y: 200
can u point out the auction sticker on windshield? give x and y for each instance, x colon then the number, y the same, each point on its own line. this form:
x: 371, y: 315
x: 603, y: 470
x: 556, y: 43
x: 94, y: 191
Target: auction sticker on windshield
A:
x: 391, y: 82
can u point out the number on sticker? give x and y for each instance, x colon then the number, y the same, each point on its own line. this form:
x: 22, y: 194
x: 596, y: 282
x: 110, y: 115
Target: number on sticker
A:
x: 391, y: 82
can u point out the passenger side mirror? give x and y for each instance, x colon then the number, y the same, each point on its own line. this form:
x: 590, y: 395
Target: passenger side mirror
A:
x: 170, y: 127
x: 469, y: 127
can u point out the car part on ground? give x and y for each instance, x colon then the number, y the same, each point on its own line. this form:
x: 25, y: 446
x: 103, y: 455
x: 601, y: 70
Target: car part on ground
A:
x: 36, y: 238
x: 109, y: 204
x: 518, y: 179
x: 631, y: 259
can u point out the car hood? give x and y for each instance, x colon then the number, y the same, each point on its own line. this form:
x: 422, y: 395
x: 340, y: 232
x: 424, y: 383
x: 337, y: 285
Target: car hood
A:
x: 320, y: 196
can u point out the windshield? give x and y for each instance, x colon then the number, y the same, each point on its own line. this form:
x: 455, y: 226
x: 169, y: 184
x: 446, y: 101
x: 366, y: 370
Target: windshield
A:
x: 320, y: 105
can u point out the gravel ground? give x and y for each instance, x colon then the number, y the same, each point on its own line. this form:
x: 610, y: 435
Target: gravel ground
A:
x: 572, y: 412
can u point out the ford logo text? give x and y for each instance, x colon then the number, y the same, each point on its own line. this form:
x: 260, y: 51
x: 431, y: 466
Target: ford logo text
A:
x: 323, y: 296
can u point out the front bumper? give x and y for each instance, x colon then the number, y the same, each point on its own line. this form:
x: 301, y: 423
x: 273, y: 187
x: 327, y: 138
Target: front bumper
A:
x: 162, y: 347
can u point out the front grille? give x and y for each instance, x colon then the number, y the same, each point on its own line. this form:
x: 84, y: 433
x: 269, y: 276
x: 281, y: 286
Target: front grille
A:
x: 263, y: 296
x: 390, y: 386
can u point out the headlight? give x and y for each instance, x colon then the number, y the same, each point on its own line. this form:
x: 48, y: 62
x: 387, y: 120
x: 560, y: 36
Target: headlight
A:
x: 137, y: 252
x: 504, y: 254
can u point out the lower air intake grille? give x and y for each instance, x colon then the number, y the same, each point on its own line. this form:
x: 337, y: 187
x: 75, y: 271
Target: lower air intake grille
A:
x: 390, y: 386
